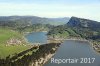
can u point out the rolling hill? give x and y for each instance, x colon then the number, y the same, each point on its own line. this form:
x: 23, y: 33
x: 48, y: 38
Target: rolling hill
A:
x: 34, y: 20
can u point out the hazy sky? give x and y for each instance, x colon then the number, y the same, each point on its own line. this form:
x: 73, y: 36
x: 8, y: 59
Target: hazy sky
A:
x: 89, y: 9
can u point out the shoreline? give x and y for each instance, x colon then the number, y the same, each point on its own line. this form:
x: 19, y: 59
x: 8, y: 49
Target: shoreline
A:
x: 43, y: 60
x: 95, y: 45
x: 33, y: 31
x: 63, y: 39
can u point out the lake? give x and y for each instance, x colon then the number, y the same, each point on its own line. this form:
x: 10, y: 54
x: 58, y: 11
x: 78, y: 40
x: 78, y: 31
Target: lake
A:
x: 69, y: 49
x: 76, y: 49
x: 37, y: 37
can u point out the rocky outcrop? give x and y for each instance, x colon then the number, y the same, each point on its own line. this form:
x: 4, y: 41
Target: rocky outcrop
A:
x: 81, y: 22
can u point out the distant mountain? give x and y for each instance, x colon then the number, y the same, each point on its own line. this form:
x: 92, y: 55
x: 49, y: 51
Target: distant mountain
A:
x: 85, y: 23
x: 58, y: 21
x: 35, y: 20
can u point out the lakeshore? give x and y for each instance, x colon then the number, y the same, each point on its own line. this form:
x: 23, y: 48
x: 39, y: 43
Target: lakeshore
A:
x: 75, y: 49
x: 95, y: 45
x: 44, y: 57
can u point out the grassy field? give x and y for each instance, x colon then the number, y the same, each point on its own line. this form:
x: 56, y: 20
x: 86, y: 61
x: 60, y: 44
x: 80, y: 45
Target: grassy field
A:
x: 11, y: 50
x: 6, y: 34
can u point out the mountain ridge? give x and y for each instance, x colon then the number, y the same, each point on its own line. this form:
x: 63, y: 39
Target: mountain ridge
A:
x: 36, y: 19
x: 84, y: 23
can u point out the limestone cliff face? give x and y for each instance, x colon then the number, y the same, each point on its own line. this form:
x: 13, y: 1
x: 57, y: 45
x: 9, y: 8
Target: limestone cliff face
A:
x: 81, y: 22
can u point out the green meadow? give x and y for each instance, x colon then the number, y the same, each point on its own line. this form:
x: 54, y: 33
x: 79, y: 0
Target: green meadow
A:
x: 5, y: 35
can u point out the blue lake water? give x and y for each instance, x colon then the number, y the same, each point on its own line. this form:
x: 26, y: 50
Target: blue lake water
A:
x: 68, y: 49
x: 37, y: 37
x: 78, y: 50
